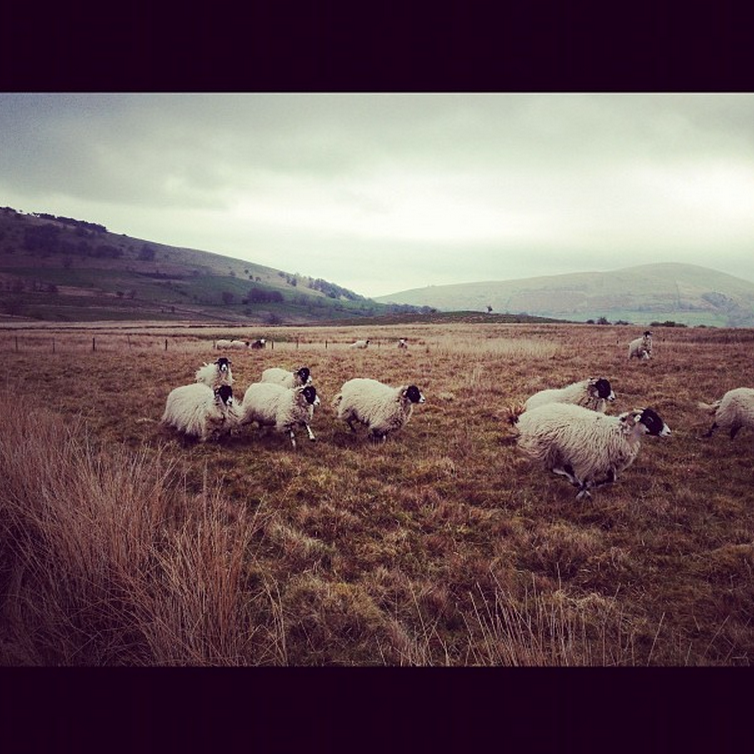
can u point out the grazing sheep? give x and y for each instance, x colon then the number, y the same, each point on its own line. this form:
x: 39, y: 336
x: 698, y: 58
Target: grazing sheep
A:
x: 641, y: 347
x: 215, y: 374
x: 359, y: 344
x: 259, y: 343
x: 284, y: 408
x: 593, y: 393
x: 382, y: 408
x: 732, y: 412
x: 198, y: 410
x: 402, y: 343
x: 239, y: 344
x: 283, y: 377
x: 587, y: 447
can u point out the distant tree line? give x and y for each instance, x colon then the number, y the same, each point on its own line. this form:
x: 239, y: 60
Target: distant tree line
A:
x: 96, y: 227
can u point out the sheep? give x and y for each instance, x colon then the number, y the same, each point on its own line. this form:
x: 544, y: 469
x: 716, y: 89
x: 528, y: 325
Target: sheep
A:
x: 234, y: 344
x: 359, y: 344
x: 215, y: 374
x: 222, y: 343
x: 259, y: 343
x: 380, y: 407
x: 402, y: 343
x: 269, y: 404
x: 593, y: 393
x: 732, y: 412
x: 585, y: 446
x: 197, y: 410
x: 283, y: 377
x: 641, y: 348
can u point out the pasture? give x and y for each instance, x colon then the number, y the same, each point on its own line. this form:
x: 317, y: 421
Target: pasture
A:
x: 123, y: 544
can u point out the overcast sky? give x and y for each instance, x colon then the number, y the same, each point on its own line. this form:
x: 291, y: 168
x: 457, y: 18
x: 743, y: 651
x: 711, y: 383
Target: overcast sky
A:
x: 384, y: 192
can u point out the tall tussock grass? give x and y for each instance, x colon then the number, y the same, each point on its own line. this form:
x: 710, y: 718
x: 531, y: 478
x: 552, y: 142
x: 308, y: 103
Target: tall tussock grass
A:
x: 108, y: 558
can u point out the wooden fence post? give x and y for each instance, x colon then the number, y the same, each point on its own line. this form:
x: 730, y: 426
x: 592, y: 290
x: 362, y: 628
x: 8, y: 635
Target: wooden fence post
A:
x: 16, y: 343
x: 94, y: 345
x: 166, y: 344
x: 53, y: 345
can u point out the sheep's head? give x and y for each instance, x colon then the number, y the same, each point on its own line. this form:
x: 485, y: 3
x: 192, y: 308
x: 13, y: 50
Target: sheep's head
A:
x: 310, y: 395
x: 225, y: 394
x: 651, y: 422
x: 601, y: 388
x: 413, y: 394
x: 304, y: 376
x: 223, y: 364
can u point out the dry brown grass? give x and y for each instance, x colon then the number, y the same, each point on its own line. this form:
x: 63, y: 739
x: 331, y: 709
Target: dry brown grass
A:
x: 124, y: 545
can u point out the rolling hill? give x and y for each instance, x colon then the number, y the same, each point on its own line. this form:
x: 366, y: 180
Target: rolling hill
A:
x: 683, y: 293
x: 65, y: 270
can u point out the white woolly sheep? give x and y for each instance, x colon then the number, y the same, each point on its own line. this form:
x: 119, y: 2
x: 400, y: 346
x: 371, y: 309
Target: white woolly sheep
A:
x: 215, y: 374
x: 380, y: 407
x: 587, y: 447
x: 641, y: 348
x: 261, y: 343
x: 359, y: 344
x: 222, y: 343
x: 734, y: 411
x: 239, y: 345
x: 198, y: 410
x: 279, y: 376
x: 593, y: 393
x: 271, y: 405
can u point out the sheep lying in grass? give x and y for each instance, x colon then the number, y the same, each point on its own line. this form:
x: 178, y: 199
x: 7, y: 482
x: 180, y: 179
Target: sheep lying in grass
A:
x: 593, y: 393
x: 198, y: 410
x: 271, y: 405
x: 279, y: 376
x: 587, y: 447
x: 380, y: 407
x: 359, y: 344
x: 215, y: 374
x: 641, y: 348
x: 732, y: 412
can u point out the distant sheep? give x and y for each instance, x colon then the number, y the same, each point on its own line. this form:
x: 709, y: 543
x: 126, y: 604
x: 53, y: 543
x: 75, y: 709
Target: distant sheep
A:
x: 359, y: 344
x: 641, y: 348
x: 283, y: 377
x: 261, y: 343
x: 284, y: 408
x: 233, y: 344
x: 402, y: 343
x: 380, y: 407
x: 200, y: 411
x: 587, y: 447
x: 215, y: 374
x: 734, y: 411
x: 593, y: 393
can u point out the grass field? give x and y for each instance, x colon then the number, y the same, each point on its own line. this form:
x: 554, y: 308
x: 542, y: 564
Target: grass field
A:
x: 121, y: 544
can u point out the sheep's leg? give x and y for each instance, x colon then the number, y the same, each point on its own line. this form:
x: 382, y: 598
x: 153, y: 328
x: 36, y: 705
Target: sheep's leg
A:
x: 567, y: 471
x: 309, y: 432
x: 734, y: 431
x: 349, y: 422
x: 611, y: 478
x: 711, y: 430
x: 293, y: 438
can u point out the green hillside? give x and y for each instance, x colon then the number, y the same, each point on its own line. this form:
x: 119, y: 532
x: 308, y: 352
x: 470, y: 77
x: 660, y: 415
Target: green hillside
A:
x: 64, y: 270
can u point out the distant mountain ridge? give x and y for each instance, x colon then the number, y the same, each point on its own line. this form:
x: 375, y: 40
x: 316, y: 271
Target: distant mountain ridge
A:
x: 685, y: 293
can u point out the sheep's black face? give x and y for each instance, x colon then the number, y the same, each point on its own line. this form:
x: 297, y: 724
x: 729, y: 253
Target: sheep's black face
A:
x: 303, y: 375
x: 223, y: 364
x: 310, y: 394
x: 414, y: 395
x: 654, y: 423
x: 226, y: 394
x: 604, y: 390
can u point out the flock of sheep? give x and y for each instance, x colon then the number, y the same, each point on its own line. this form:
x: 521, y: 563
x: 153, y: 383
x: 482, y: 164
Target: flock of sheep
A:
x: 565, y: 429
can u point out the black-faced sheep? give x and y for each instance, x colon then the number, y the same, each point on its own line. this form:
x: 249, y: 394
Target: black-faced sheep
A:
x: 734, y: 411
x: 259, y: 343
x: 587, y: 447
x: 271, y: 405
x: 200, y: 411
x: 215, y: 374
x: 381, y: 408
x: 402, y: 343
x: 641, y: 348
x: 279, y: 376
x: 593, y: 393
